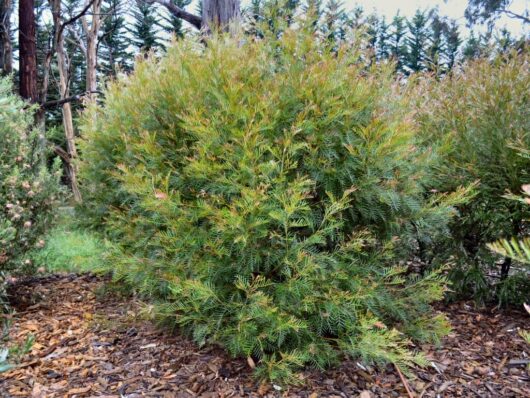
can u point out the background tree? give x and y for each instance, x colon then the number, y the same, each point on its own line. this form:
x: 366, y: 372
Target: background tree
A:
x: 27, y: 40
x: 417, y: 42
x: 113, y: 43
x: 335, y: 21
x: 145, y: 27
x: 383, y: 40
x: 487, y: 11
x: 213, y: 14
x: 398, y: 48
x: 452, y: 41
x: 435, y: 44
x: 174, y: 25
x: 6, y: 46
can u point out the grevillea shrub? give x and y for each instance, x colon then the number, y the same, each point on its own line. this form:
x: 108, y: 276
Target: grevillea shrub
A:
x: 265, y: 193
x: 28, y: 189
x: 479, y: 117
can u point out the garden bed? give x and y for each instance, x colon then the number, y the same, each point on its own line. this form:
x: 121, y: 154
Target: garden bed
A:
x: 88, y: 343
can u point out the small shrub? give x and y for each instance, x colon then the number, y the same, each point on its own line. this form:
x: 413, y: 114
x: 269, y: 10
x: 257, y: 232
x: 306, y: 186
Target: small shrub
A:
x: 478, y: 117
x: 265, y: 192
x: 28, y: 194
x: 28, y: 190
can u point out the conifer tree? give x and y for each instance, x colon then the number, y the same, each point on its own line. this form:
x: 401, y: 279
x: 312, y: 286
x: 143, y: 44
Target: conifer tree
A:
x: 372, y: 31
x: 383, y: 39
x: 335, y: 21
x: 6, y: 42
x: 397, y: 41
x: 174, y: 25
x: 476, y: 46
x: 435, y: 43
x: 417, y: 42
x: 274, y: 15
x: 452, y: 43
x: 145, y: 27
x: 113, y: 46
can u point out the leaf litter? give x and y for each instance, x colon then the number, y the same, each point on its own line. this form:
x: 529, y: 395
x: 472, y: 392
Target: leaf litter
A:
x: 90, y: 345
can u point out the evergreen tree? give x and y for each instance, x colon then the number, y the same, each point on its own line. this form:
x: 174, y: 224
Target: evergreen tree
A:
x: 335, y: 21
x: 475, y: 46
x: 173, y: 24
x: 417, y: 41
x: 274, y: 15
x: 397, y: 41
x: 372, y: 30
x: 313, y: 9
x: 357, y: 17
x: 435, y: 43
x: 452, y: 42
x: 145, y: 27
x: 383, y: 40
x: 113, y: 43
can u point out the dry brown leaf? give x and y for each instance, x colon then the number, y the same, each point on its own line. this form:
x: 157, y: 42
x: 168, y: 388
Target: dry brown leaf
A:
x: 251, y: 363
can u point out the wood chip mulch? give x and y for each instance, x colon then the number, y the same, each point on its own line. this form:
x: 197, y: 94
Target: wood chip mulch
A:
x: 89, y: 344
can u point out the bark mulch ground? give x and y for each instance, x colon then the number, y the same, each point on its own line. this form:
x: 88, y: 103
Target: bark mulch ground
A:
x: 88, y: 344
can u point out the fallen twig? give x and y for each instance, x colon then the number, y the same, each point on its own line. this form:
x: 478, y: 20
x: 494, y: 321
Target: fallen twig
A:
x: 404, y: 381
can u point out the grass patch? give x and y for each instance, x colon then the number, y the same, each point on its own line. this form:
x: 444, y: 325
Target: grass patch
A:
x: 70, y: 250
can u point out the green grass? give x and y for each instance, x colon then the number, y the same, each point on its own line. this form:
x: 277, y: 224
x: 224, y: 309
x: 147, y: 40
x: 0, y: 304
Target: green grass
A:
x: 70, y: 250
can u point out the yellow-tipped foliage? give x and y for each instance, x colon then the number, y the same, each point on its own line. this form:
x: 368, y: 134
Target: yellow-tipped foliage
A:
x: 264, y: 191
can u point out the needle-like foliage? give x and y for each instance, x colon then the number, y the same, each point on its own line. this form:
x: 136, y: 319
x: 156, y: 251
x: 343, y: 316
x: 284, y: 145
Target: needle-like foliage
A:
x: 265, y: 191
x: 480, y: 118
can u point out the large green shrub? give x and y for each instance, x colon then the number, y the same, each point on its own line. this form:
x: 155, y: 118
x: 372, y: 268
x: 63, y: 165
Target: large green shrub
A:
x: 266, y: 191
x: 28, y: 190
x: 479, y: 116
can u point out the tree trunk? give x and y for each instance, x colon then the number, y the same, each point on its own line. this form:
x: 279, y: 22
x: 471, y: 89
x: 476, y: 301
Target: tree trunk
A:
x: 62, y: 65
x: 6, y: 47
x: 91, y: 31
x: 218, y: 14
x: 27, y: 50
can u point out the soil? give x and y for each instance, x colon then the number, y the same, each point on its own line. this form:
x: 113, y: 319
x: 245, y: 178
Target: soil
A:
x: 89, y: 343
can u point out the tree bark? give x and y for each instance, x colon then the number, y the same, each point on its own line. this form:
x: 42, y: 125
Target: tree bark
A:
x: 62, y: 65
x: 218, y: 14
x: 91, y: 31
x: 27, y: 50
x: 6, y: 47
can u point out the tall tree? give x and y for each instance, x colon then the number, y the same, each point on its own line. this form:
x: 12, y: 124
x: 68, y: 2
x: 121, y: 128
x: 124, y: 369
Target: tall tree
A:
x: 417, y: 41
x: 91, y: 27
x: 63, y: 66
x: 175, y: 24
x: 113, y: 44
x: 383, y: 37
x: 452, y: 42
x: 145, y: 27
x: 335, y: 21
x: 487, y: 11
x: 475, y: 46
x: 435, y: 43
x: 398, y: 47
x: 27, y: 50
x: 215, y: 14
x: 6, y: 46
